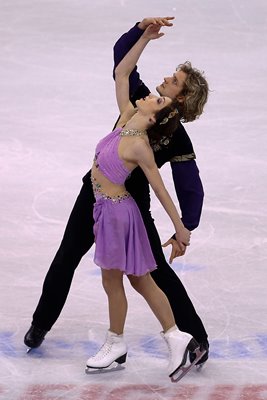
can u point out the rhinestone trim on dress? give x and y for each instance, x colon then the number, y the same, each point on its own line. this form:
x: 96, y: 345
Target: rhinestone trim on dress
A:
x: 98, y: 193
x: 132, y: 132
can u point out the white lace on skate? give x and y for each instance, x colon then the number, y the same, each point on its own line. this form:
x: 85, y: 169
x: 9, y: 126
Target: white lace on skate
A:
x: 110, y: 356
x: 104, y: 350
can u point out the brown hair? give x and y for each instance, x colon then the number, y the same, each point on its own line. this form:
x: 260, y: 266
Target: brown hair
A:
x: 167, y: 120
x: 195, y: 90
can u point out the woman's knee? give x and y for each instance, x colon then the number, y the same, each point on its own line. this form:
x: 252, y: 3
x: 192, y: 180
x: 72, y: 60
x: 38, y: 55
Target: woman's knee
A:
x: 112, y: 281
x: 138, y: 282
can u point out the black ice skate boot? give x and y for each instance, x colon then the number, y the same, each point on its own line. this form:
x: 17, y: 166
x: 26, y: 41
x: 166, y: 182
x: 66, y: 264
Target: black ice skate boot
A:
x: 34, y: 337
x: 202, y: 346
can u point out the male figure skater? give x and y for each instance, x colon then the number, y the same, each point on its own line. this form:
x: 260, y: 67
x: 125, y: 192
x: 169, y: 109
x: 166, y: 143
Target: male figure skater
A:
x: 189, y: 85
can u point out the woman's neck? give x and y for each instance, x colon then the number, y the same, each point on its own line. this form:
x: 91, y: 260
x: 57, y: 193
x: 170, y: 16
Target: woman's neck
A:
x: 137, y: 122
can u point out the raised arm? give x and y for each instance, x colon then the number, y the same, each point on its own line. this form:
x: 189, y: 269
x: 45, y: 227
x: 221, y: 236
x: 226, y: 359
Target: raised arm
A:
x: 125, y: 67
x: 127, y: 41
x: 121, y: 48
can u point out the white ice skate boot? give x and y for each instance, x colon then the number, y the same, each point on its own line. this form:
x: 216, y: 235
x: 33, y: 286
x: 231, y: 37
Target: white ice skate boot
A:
x: 110, y: 357
x: 179, y: 344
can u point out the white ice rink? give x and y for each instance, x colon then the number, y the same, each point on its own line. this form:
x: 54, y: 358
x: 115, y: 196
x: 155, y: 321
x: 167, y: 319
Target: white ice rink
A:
x: 56, y: 100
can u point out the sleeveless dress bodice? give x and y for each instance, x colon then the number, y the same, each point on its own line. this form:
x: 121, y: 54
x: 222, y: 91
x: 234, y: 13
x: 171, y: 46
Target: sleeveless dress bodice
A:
x: 107, y: 158
x: 121, y: 240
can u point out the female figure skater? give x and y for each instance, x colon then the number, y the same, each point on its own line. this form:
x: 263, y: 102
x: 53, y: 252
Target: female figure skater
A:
x: 122, y: 245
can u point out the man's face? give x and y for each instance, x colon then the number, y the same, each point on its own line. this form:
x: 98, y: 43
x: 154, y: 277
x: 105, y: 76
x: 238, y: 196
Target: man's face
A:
x: 173, y: 86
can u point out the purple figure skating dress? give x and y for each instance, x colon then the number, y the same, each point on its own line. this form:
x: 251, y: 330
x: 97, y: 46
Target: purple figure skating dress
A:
x: 120, y: 235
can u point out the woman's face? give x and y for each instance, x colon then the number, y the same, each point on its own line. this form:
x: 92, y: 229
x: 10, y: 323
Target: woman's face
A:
x: 151, y: 104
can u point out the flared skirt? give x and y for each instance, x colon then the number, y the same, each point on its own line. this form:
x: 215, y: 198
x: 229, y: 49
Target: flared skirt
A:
x: 121, y: 240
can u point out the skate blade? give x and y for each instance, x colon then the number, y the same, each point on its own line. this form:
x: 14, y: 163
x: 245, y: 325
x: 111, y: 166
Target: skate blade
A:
x: 29, y: 350
x: 199, y: 367
x: 177, y: 375
x: 111, y: 368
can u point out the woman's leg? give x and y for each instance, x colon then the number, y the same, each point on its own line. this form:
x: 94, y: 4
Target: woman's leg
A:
x: 114, y: 348
x: 155, y: 298
x: 112, y: 281
x: 179, y: 343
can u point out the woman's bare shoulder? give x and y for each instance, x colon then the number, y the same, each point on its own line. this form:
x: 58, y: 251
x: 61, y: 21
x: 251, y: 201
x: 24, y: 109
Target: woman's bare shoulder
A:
x: 141, y: 147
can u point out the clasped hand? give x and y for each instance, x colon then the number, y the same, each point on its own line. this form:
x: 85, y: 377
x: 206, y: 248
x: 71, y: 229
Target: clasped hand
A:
x: 152, y: 26
x: 179, y: 244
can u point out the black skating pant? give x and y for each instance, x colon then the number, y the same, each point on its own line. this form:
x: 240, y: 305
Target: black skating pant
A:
x: 77, y: 240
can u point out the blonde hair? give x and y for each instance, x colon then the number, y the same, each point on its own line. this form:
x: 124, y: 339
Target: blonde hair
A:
x: 196, y: 90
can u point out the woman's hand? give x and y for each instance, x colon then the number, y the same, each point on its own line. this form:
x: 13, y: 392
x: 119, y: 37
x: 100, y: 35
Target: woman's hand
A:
x: 183, y: 236
x: 179, y: 244
x: 152, y: 26
x: 183, y: 239
x: 152, y: 32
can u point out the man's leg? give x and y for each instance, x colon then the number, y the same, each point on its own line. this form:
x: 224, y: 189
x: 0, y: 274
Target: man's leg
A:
x: 77, y: 240
x: 184, y: 312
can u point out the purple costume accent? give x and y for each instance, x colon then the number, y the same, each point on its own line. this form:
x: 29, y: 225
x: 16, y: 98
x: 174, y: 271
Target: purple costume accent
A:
x: 107, y: 158
x: 120, y: 235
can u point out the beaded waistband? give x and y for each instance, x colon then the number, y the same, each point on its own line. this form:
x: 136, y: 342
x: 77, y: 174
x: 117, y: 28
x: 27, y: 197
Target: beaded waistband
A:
x: 101, y: 195
x: 114, y: 199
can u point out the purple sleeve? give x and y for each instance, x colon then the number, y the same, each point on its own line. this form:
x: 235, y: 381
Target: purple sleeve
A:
x: 189, y: 191
x: 121, y: 48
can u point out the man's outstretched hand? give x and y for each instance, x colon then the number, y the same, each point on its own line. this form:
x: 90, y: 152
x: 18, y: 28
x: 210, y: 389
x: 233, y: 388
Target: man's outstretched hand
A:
x: 161, y: 21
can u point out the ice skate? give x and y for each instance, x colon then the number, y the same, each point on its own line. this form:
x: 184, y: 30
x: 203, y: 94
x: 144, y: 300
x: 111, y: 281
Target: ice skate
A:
x: 202, y: 361
x: 110, y: 357
x: 34, y: 337
x: 184, y: 368
x: 179, y: 344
